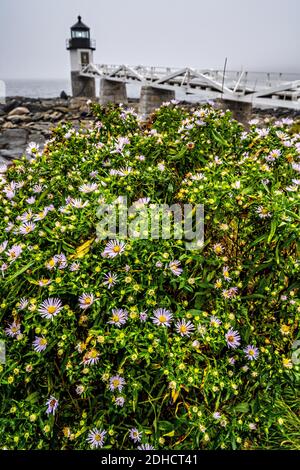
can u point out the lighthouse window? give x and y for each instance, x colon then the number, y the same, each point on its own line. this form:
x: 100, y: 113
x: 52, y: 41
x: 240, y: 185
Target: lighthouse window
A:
x: 84, y: 58
x: 80, y: 34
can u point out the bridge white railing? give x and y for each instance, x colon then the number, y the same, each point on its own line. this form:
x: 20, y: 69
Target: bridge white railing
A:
x: 276, y: 89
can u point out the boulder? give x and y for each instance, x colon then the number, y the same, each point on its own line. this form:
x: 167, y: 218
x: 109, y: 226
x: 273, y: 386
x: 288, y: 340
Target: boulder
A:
x: 11, y: 105
x: 8, y: 125
x: 63, y: 95
x: 19, y: 111
x: 15, y: 119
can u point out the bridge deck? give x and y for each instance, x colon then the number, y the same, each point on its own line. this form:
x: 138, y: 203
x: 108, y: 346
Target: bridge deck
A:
x: 260, y: 89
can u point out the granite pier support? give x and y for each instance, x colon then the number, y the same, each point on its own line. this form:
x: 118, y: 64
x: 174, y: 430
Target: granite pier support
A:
x: 112, y: 92
x: 83, y: 86
x: 152, y: 98
x: 240, y: 111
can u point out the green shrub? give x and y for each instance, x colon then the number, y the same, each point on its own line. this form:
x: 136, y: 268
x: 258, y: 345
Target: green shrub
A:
x: 78, y: 326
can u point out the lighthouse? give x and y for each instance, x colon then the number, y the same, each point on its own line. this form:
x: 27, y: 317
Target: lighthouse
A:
x: 81, y: 48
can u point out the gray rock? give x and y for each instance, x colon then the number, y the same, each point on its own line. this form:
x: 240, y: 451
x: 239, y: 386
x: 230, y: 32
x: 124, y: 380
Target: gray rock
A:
x: 13, y: 143
x: 11, y: 105
x: 19, y: 111
x: 15, y: 119
x: 8, y: 125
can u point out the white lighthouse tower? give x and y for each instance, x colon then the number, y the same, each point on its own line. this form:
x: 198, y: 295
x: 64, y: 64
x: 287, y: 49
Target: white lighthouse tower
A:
x: 81, y: 48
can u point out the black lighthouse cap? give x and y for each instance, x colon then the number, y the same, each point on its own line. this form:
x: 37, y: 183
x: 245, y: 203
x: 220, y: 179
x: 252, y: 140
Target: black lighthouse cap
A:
x: 79, y: 26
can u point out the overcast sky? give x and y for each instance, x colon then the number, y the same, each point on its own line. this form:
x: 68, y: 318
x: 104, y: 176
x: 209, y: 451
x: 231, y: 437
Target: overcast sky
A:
x: 254, y: 34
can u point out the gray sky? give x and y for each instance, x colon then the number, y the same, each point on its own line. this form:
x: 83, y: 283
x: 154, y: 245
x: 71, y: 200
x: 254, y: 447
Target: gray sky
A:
x: 256, y: 34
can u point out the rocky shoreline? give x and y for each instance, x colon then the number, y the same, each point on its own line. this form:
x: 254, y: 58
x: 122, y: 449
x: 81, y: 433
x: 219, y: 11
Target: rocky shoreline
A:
x: 24, y: 120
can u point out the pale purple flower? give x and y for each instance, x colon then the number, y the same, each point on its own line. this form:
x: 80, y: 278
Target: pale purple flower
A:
x: 263, y: 212
x: 162, y: 317
x: 262, y: 132
x: 217, y: 415
x: 230, y: 293
x: 44, y: 282
x: 88, y: 188
x: 26, y: 217
x: 121, y: 142
x: 119, y: 317
x: 145, y: 447
x: 74, y: 267
x: 143, y: 316
x: 141, y: 202
x: 116, y: 383
x: 80, y: 389
x: 184, y: 328
x: 113, y: 248
x: 14, y: 252
x: 40, y: 343
x: 215, y: 321
x: 226, y: 273
x: 86, y: 300
x: 52, y: 405
x: 61, y: 261
x: 9, y: 227
x: 23, y: 303
x: 32, y: 148
x: 3, y: 246
x: 14, y: 329
x: 251, y: 352
x: 252, y: 426
x: 96, y: 438
x: 135, y: 435
x: 175, y: 267
x: 233, y: 338
x: 78, y: 203
x: 50, y: 308
x: 26, y: 228
x: 110, y: 279
x: 41, y: 215
x: 37, y: 188
x: 296, y: 166
x: 91, y: 357
x: 119, y: 401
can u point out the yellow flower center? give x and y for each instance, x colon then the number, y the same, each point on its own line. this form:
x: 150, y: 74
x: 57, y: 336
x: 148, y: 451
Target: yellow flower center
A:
x: 97, y: 437
x: 183, y: 329
x: 162, y: 318
x: 51, y: 310
x: 93, y: 353
x: 88, y: 300
x: 43, y: 341
x: 116, y: 382
x: 231, y: 338
x: 116, y: 249
x: 115, y: 318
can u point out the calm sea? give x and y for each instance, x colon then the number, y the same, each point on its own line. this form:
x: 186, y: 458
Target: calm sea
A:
x: 53, y: 88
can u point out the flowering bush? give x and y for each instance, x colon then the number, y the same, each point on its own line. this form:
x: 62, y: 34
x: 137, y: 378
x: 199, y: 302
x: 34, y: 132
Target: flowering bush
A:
x: 139, y: 343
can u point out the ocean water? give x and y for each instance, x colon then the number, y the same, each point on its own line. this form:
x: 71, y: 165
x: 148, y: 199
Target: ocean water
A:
x: 52, y: 89
x: 37, y: 88
x: 34, y: 88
